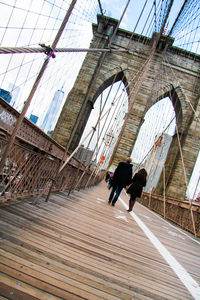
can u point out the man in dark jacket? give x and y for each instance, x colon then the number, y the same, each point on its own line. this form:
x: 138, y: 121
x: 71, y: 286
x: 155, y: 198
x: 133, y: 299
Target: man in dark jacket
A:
x: 121, y: 178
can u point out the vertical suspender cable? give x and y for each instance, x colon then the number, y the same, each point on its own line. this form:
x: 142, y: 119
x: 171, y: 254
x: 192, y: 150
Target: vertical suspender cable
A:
x: 97, y: 123
x: 143, y: 72
x: 155, y: 16
x: 195, y: 190
x: 100, y: 7
x: 106, y: 130
x: 177, y: 18
x: 35, y: 85
x: 136, y: 25
x: 102, y: 58
x: 186, y: 181
x: 164, y: 204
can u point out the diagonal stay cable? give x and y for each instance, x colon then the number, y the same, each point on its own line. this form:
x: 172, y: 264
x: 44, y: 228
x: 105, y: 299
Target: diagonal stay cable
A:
x: 32, y: 92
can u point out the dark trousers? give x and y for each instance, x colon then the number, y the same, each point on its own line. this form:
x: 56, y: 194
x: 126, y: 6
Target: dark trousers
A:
x: 132, y: 202
x: 115, y: 193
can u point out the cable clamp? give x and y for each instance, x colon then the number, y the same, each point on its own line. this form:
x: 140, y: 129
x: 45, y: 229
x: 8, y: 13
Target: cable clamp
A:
x: 48, y: 51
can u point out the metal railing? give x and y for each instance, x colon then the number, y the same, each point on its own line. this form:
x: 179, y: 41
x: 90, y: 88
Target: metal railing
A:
x: 33, y: 161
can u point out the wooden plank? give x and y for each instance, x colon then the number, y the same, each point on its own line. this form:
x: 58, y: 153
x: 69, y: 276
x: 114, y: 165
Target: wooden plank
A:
x: 126, y: 262
x: 17, y: 289
x: 80, y: 246
x: 99, y: 242
x: 37, y: 280
x: 117, y: 278
x: 60, y: 267
x: 120, y: 278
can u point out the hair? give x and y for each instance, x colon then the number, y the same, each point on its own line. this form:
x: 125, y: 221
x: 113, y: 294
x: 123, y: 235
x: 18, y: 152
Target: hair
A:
x: 143, y: 173
x: 129, y: 159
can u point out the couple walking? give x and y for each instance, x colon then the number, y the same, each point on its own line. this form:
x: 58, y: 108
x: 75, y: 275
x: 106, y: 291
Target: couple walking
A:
x: 123, y: 177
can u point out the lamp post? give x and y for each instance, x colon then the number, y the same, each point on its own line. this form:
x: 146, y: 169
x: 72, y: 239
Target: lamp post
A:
x: 109, y: 138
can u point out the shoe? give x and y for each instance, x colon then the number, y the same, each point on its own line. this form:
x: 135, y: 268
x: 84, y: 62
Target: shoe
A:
x: 129, y: 210
x: 113, y: 204
x: 109, y: 202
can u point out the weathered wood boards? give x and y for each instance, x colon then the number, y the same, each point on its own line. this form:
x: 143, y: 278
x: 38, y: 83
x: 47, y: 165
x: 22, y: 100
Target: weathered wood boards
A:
x: 79, y: 247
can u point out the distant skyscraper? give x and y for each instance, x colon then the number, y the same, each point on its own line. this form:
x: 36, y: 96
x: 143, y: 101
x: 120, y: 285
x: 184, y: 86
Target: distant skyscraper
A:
x: 33, y: 118
x: 14, y: 90
x: 86, y: 153
x: 5, y: 95
x: 156, y: 160
x: 52, y: 113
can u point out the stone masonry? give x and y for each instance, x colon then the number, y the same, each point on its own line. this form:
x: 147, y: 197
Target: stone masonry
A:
x: 179, y: 81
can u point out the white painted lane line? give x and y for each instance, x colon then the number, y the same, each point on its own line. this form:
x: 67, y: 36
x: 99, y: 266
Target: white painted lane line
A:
x: 169, y: 224
x: 183, y: 275
x: 122, y: 217
x: 102, y: 200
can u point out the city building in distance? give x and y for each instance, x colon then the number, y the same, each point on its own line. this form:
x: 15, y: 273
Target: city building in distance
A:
x: 33, y: 118
x: 5, y: 95
x: 14, y: 91
x: 52, y: 113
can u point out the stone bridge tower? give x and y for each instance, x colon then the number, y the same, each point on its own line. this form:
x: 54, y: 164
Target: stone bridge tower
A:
x: 180, y: 82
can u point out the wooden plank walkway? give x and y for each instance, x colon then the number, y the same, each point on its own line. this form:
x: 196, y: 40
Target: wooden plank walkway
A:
x: 79, y: 247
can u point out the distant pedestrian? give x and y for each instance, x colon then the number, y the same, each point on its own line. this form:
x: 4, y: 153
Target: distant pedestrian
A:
x: 135, y: 188
x: 121, y: 178
x: 107, y: 176
x: 110, y: 182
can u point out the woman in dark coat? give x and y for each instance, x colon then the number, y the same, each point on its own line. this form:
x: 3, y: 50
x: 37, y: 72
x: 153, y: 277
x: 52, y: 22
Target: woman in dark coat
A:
x: 135, y: 189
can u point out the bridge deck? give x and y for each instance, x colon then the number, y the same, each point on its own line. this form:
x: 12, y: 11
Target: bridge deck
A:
x: 78, y: 246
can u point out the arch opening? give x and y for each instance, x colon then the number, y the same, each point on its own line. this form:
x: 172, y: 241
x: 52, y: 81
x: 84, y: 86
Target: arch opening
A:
x: 154, y: 140
x: 98, y: 88
x: 193, y: 189
x: 110, y: 107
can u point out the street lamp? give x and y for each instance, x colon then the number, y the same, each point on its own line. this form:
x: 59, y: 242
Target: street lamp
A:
x: 108, y: 138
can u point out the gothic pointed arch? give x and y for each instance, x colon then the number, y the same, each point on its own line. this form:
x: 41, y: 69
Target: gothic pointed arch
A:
x: 177, y: 83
